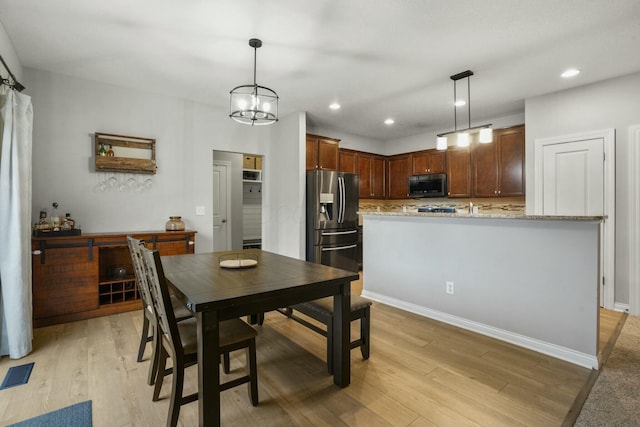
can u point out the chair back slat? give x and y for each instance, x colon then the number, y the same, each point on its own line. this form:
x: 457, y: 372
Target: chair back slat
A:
x: 141, y: 279
x: 161, y: 300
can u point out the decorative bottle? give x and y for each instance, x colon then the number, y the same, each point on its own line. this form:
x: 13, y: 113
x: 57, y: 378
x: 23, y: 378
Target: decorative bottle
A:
x: 110, y: 152
x: 69, y: 223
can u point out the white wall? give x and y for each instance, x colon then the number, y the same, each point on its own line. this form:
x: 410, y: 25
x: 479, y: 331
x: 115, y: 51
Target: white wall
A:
x: 608, y: 104
x: 350, y: 141
x: 10, y: 56
x: 68, y: 110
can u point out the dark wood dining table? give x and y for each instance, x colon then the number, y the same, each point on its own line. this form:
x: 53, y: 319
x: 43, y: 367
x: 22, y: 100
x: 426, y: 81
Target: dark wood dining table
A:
x: 214, y: 294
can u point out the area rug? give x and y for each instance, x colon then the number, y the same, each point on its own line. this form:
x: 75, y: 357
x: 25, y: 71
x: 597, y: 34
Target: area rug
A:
x: 78, y: 415
x: 614, y: 399
x: 18, y: 375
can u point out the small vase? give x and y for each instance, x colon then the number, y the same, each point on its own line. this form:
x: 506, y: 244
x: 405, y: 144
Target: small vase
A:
x: 175, y: 223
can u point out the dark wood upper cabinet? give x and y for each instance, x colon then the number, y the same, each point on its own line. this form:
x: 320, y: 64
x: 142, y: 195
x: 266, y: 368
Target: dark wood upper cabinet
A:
x: 428, y: 161
x: 498, y: 168
x: 372, y: 174
x: 322, y: 153
x: 399, y: 168
x: 458, y: 172
x: 348, y: 161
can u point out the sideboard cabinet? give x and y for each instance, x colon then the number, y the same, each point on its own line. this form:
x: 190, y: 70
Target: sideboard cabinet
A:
x: 80, y: 277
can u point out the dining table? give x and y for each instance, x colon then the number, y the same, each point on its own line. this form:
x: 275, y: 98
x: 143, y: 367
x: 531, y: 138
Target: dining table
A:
x: 259, y: 282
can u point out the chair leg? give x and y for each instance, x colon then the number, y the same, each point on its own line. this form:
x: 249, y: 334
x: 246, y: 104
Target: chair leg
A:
x: 330, y: 346
x: 226, y: 365
x: 153, y: 363
x: 144, y: 337
x: 364, y: 334
x: 253, y: 372
x: 176, y: 394
x: 162, y: 365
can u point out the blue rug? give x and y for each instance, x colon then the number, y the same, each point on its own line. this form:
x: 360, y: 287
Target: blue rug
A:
x: 17, y: 375
x: 78, y: 415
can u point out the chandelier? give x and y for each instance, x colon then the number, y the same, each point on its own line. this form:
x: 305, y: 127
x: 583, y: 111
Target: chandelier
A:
x: 463, y: 136
x: 253, y: 104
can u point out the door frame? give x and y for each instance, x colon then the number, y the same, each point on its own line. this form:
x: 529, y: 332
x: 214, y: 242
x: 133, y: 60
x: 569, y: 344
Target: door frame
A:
x: 634, y: 219
x: 609, y: 139
x: 227, y: 165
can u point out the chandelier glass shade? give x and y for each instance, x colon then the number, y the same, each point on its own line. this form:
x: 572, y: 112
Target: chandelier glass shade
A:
x: 464, y: 136
x: 253, y: 104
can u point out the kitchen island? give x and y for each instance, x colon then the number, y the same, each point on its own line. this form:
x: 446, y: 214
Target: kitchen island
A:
x: 529, y: 280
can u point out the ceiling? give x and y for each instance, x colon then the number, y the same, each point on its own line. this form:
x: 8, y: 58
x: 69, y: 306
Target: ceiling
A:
x: 377, y: 58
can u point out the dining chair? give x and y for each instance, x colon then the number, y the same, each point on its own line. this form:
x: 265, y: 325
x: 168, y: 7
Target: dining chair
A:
x: 149, y: 319
x: 179, y: 340
x: 322, y: 311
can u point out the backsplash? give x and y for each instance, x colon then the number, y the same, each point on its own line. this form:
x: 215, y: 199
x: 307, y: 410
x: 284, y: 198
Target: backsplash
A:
x: 515, y: 205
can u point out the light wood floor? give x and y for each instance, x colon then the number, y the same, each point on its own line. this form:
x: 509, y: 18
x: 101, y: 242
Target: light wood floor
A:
x: 421, y: 373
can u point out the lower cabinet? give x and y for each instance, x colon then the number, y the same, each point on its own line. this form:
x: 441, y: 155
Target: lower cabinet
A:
x: 81, y: 277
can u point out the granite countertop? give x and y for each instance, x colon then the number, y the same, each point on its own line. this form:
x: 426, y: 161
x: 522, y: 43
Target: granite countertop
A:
x: 487, y: 216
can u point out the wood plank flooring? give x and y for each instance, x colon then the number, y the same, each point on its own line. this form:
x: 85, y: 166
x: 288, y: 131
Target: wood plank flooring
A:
x: 421, y: 373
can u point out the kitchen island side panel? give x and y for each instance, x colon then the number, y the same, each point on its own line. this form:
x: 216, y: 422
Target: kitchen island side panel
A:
x: 530, y: 282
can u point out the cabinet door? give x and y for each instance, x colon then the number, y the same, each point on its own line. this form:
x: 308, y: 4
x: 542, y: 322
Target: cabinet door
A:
x: 437, y: 161
x: 398, y: 176
x: 364, y: 172
x: 348, y: 161
x: 458, y: 173
x: 312, y: 153
x: 510, y: 149
x: 327, y: 154
x: 378, y: 175
x: 484, y: 169
x: 420, y: 163
x: 66, y: 283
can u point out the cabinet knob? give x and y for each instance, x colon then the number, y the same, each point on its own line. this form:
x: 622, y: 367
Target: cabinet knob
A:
x: 36, y: 252
x: 495, y: 191
x: 191, y: 242
x: 499, y: 191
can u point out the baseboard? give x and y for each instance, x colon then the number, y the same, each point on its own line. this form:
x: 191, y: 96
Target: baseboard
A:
x: 621, y: 307
x: 553, y: 350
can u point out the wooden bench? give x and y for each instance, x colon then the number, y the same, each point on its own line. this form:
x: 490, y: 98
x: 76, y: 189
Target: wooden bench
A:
x: 322, y: 311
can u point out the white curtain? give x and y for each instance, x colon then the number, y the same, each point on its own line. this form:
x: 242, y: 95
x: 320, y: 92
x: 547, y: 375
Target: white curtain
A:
x: 16, y: 123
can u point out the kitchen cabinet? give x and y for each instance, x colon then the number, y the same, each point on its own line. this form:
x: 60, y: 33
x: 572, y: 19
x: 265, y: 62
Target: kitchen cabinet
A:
x: 372, y: 175
x: 322, y: 153
x: 498, y: 168
x: 86, y: 276
x: 398, y: 172
x: 458, y: 172
x: 348, y: 161
x: 429, y: 161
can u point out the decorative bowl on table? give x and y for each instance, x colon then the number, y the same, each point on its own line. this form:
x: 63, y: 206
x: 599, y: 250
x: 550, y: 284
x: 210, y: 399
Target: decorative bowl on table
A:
x: 238, y: 260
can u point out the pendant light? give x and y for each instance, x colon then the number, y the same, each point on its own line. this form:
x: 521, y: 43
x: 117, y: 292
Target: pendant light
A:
x: 463, y: 136
x: 253, y: 104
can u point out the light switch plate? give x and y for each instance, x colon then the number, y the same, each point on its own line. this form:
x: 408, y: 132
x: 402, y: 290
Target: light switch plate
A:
x: 199, y: 210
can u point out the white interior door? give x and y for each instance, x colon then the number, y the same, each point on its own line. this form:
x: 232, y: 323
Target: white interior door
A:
x: 575, y: 177
x: 221, y: 205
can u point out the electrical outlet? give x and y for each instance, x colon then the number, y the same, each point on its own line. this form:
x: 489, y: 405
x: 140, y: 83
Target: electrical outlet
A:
x: 450, y: 289
x: 199, y: 210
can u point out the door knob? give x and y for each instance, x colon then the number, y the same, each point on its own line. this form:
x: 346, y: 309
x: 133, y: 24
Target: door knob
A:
x: 223, y: 221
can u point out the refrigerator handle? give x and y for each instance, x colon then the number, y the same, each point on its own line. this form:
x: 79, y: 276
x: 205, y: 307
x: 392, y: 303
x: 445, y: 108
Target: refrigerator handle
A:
x: 342, y: 200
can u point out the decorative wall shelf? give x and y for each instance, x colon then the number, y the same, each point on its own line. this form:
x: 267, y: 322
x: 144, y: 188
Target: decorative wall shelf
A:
x: 130, y: 154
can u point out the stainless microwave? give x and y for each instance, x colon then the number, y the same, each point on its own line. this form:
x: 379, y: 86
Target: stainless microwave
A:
x: 431, y: 185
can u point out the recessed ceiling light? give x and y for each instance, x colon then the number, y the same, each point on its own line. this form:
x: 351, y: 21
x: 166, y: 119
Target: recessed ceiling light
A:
x: 571, y: 72
x: 460, y: 103
x: 389, y: 121
x: 334, y: 106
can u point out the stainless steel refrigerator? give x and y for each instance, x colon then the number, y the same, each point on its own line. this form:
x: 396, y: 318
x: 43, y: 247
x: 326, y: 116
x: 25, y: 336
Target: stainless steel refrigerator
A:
x: 332, y: 219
